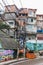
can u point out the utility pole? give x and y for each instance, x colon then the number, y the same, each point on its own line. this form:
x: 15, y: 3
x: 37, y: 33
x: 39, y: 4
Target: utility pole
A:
x: 24, y: 29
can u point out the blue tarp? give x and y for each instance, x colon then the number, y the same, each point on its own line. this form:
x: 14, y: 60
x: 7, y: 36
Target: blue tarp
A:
x: 40, y: 31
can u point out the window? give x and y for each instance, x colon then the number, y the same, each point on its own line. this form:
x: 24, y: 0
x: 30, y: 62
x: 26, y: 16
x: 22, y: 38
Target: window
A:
x: 23, y: 14
x: 11, y: 23
x: 31, y: 20
x: 31, y: 13
x: 20, y: 14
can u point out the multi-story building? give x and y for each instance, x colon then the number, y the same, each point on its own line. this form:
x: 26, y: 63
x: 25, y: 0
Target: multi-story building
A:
x: 10, y: 17
x: 39, y: 27
x: 27, y: 24
x: 29, y: 17
x: 31, y: 27
x: 22, y: 19
x: 39, y: 24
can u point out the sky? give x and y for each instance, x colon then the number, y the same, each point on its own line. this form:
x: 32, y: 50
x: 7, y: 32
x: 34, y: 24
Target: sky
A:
x: 35, y: 4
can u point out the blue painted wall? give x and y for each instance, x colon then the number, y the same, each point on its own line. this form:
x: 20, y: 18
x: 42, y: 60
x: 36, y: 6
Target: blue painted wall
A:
x: 34, y: 46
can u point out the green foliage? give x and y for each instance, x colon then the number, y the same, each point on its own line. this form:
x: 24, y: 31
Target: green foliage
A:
x: 4, y: 26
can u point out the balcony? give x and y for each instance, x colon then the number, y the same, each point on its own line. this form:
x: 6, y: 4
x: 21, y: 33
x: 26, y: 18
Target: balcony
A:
x: 31, y: 21
x: 31, y: 29
x: 32, y: 16
x: 40, y: 18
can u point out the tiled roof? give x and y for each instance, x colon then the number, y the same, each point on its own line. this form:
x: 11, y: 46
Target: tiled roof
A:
x: 11, y: 8
x: 34, y: 10
x: 39, y: 15
x: 23, y: 10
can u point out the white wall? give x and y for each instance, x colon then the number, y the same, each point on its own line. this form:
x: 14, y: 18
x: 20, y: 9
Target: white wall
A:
x: 31, y: 14
x: 31, y: 41
x: 10, y: 16
x: 34, y: 41
x: 30, y: 22
x: 31, y: 28
x: 40, y: 41
x: 11, y: 25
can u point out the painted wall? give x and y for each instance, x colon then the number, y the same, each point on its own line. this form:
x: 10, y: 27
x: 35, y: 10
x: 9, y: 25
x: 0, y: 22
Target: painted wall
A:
x: 34, y: 45
x: 31, y: 13
x: 31, y: 28
x: 31, y: 21
x: 9, y: 16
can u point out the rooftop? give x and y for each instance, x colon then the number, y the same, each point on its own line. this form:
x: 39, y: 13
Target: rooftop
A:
x: 11, y: 8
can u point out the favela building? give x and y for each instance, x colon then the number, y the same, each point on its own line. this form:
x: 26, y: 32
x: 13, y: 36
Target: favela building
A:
x: 25, y: 32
